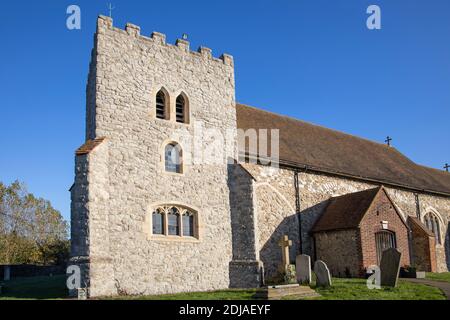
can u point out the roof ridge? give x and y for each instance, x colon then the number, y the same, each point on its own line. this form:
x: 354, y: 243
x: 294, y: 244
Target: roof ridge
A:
x: 323, y: 127
x: 360, y: 191
x: 431, y: 168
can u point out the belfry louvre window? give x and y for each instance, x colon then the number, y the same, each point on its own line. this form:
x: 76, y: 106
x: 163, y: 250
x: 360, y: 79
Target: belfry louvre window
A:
x: 432, y: 223
x: 174, y: 220
x: 161, y: 105
x: 384, y: 240
x: 180, y: 109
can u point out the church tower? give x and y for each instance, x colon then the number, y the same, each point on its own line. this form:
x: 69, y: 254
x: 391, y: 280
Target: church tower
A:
x: 151, y: 200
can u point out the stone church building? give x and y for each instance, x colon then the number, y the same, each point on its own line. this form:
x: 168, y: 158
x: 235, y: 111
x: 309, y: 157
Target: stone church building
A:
x: 153, y: 210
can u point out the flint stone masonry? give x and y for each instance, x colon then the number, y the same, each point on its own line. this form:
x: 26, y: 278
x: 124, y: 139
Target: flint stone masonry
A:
x: 275, y: 203
x: 243, y: 209
x: 119, y: 181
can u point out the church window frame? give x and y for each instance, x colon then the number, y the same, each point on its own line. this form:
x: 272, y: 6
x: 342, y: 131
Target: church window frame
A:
x: 176, y: 229
x: 433, y: 223
x: 182, y: 108
x: 173, y: 162
x: 162, y: 104
x: 158, y: 221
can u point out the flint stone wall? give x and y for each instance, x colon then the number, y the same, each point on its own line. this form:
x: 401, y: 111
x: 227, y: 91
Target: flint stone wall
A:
x: 275, y: 203
x: 113, y: 196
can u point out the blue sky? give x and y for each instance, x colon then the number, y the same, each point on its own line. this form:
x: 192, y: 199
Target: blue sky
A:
x: 311, y: 59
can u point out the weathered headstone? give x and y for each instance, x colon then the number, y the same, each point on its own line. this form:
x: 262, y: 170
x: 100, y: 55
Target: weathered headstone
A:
x: 289, y: 275
x: 323, y: 277
x: 6, y: 273
x: 303, y: 269
x: 390, y: 267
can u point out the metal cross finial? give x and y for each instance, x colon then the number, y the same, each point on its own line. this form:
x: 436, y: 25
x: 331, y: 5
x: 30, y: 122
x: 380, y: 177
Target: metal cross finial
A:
x: 388, y: 140
x: 185, y: 36
x: 446, y: 167
x: 110, y: 8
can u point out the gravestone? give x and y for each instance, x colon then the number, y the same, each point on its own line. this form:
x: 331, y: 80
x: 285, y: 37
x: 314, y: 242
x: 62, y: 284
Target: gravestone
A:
x: 303, y: 269
x: 390, y: 267
x: 323, y: 277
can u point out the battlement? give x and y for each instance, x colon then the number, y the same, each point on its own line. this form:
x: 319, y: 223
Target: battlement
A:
x: 106, y: 23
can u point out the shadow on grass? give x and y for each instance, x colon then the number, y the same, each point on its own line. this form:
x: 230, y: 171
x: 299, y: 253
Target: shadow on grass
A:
x: 34, y: 288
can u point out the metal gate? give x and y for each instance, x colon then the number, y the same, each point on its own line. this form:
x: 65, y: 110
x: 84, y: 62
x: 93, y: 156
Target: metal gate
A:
x: 384, y: 240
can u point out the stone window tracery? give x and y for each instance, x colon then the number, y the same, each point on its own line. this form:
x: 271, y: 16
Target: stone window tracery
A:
x: 174, y: 220
x: 158, y: 221
x: 432, y: 223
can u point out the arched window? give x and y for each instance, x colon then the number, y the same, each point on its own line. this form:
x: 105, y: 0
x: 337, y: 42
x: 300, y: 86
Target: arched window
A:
x: 161, y: 105
x: 158, y: 221
x: 173, y: 221
x: 173, y: 158
x: 432, y: 223
x: 188, y: 224
x: 181, y: 109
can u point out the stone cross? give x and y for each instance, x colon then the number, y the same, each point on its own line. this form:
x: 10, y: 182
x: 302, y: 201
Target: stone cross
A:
x: 285, y: 243
x: 446, y: 167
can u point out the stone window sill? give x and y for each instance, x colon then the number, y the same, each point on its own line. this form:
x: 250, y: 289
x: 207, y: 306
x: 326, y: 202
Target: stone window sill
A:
x: 162, y: 238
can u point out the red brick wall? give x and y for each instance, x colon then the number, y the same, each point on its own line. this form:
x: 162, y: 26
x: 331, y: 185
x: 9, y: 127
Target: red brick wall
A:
x: 382, y: 210
x: 423, y: 247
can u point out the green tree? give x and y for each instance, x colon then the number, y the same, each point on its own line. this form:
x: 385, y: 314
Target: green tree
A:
x: 31, y: 230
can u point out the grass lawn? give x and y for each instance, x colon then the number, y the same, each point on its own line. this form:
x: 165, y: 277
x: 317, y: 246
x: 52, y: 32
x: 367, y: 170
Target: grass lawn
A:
x: 443, y: 276
x: 356, y: 289
x: 232, y: 294
x: 34, y: 288
x: 342, y: 289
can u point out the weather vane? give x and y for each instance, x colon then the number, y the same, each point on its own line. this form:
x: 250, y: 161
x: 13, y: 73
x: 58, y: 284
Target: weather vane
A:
x: 110, y: 8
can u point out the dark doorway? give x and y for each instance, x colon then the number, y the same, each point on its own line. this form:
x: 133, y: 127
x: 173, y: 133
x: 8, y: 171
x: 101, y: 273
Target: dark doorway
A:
x: 384, y: 239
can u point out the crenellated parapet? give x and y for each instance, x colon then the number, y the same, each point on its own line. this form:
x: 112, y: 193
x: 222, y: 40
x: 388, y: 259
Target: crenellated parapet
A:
x: 106, y: 23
